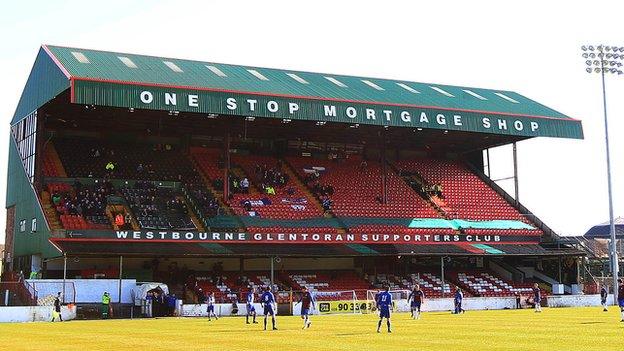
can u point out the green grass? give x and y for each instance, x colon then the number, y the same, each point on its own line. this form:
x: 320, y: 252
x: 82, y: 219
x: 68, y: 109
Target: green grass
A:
x: 554, y: 329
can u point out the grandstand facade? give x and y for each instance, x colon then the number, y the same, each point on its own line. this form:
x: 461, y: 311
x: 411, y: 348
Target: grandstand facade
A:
x: 208, y: 172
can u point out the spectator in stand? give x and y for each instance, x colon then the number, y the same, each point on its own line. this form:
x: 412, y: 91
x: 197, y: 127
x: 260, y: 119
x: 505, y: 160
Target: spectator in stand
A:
x: 128, y: 220
x: 110, y: 167
x: 327, y: 203
x: 120, y: 221
x: 56, y: 199
x: 270, y: 190
x: 245, y: 185
x: 217, y: 184
x: 363, y: 165
x: 139, y: 169
x: 247, y: 205
x: 235, y: 184
x: 437, y: 190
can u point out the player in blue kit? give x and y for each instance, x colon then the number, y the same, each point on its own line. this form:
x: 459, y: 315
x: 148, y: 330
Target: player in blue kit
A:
x: 307, y: 304
x: 458, y: 299
x: 268, y: 302
x: 604, y: 293
x: 537, y: 298
x: 251, y: 309
x: 211, y: 304
x: 416, y: 299
x: 384, y: 304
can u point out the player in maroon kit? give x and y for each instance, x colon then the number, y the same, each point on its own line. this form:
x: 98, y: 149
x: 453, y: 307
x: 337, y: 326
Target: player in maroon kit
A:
x: 307, y: 304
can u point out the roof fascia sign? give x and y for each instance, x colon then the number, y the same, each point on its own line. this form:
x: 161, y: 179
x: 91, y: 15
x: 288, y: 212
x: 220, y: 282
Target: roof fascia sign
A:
x: 226, y: 102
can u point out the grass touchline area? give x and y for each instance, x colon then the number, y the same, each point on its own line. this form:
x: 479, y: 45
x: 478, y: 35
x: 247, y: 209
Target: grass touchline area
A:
x: 554, y: 329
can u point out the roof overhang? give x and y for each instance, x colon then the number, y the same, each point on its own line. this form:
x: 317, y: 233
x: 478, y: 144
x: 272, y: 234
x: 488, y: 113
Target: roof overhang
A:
x: 138, y: 95
x: 152, y: 83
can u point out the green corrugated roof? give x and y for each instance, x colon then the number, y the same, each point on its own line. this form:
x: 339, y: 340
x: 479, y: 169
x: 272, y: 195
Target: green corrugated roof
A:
x: 149, y: 69
x: 122, y: 80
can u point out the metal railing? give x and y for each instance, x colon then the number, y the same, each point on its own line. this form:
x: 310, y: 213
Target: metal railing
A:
x: 17, y: 293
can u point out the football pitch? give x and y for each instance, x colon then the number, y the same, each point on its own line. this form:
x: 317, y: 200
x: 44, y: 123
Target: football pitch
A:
x: 553, y: 329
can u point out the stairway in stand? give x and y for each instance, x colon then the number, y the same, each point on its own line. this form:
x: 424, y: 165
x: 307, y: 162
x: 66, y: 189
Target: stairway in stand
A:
x: 196, y: 221
x: 296, y: 177
x: 52, y: 165
x: 415, y: 181
x: 49, y: 211
x: 216, y: 193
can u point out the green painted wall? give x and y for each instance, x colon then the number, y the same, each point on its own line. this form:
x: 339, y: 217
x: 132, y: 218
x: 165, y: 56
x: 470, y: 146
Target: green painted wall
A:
x: 21, y: 194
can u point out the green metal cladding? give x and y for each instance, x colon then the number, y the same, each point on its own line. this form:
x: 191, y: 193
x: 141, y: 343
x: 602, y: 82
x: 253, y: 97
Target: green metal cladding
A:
x: 138, y: 81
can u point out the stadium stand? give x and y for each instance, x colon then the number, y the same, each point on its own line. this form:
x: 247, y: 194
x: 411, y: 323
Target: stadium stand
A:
x: 355, y: 191
x: 329, y: 281
x: 486, y: 284
x: 158, y: 208
x: 80, y: 207
x: 357, y: 188
x: 429, y: 282
x: 88, y: 158
x: 463, y: 195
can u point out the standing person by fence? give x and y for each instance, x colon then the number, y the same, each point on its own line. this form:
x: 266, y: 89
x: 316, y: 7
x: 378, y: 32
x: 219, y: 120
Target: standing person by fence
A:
x: 56, y: 312
x: 105, y: 309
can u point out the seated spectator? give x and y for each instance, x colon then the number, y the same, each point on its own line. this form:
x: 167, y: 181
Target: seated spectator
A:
x: 244, y: 185
x: 327, y: 203
x: 56, y: 199
x: 270, y: 190
x: 120, y: 221
x: 363, y: 165
x: 217, y: 184
x: 128, y: 219
x: 247, y: 205
x: 437, y: 190
x: 110, y: 167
